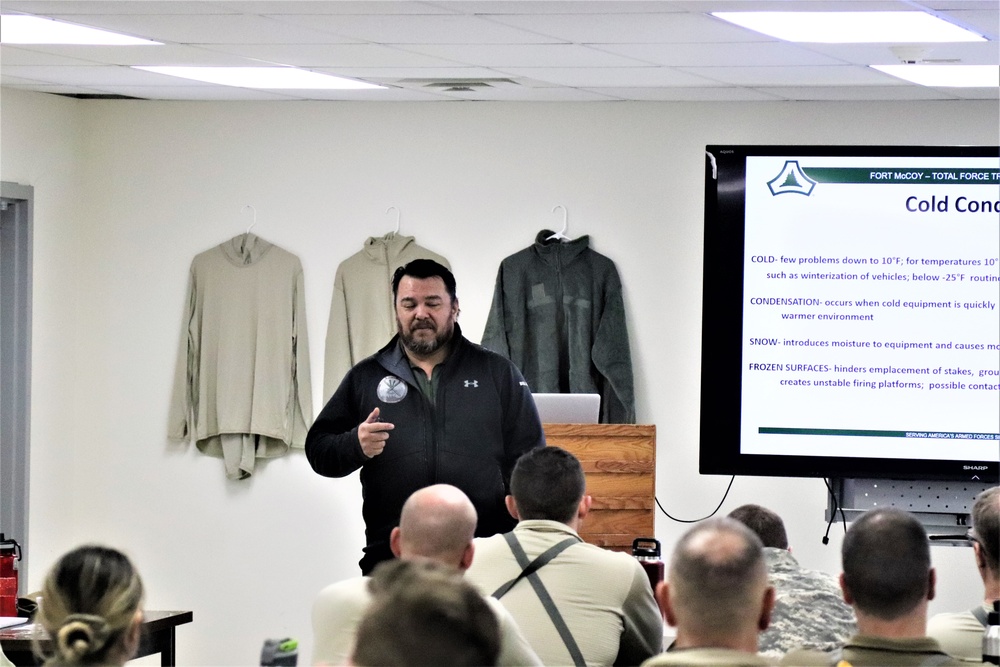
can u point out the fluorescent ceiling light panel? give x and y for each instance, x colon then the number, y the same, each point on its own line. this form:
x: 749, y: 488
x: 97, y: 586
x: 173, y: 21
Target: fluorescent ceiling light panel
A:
x: 269, y: 78
x: 851, y: 27
x: 21, y: 29
x: 946, y: 76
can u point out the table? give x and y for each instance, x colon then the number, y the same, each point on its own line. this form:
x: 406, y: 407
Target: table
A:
x: 157, y: 637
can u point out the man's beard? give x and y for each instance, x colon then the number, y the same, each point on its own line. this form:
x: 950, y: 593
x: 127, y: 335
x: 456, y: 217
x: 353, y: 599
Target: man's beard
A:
x: 424, y: 347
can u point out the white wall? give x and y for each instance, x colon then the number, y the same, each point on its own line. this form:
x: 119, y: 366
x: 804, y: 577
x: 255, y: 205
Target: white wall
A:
x: 128, y: 192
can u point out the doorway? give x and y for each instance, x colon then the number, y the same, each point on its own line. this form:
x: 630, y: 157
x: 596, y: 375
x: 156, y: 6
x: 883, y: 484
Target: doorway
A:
x: 15, y: 361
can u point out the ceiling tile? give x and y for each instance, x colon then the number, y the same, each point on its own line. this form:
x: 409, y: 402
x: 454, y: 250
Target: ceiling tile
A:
x: 89, y: 7
x: 833, y: 93
x: 491, y: 7
x: 633, y: 28
x: 613, y: 77
x: 214, y: 93
x: 333, y: 55
x: 387, y: 95
x: 840, y: 75
x: 55, y: 89
x: 209, y: 29
x: 980, y: 53
x: 171, y: 54
x: 410, y: 29
x: 32, y: 55
x: 389, y: 74
x: 681, y: 94
x: 984, y: 21
x: 109, y: 75
x: 750, y: 54
x: 526, y: 55
x: 314, y: 7
x: 793, y: 5
x: 519, y: 94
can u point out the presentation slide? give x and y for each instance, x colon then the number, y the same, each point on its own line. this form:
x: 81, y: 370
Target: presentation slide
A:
x: 870, y: 315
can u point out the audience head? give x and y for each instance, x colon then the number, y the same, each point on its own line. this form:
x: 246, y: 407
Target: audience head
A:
x: 438, y: 523
x: 92, y: 608
x: 986, y: 531
x: 767, y: 525
x: 887, y: 564
x: 548, y: 483
x: 424, y: 613
x: 717, y: 592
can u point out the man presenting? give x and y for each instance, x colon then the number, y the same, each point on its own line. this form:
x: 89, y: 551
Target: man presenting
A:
x: 430, y: 407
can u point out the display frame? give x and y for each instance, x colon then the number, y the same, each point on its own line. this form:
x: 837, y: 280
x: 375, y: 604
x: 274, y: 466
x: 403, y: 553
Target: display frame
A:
x: 723, y: 299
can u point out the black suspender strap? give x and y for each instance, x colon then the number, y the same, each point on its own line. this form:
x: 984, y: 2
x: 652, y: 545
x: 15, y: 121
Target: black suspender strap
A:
x: 528, y: 571
x: 980, y: 615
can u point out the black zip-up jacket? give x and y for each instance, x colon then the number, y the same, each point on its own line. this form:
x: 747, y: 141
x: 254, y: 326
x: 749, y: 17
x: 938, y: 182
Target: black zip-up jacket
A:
x: 482, y: 420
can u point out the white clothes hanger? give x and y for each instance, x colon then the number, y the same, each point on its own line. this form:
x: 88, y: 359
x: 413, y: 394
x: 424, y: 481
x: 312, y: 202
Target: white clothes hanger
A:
x: 561, y: 234
x: 398, y: 216
x: 246, y: 236
x: 254, y: 222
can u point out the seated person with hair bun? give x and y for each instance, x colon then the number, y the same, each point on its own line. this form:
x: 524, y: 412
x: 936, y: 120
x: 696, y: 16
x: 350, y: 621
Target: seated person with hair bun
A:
x: 92, y: 608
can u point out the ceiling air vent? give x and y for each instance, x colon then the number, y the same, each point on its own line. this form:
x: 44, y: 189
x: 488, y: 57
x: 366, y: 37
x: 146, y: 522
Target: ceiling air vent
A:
x: 458, y: 85
x: 97, y: 96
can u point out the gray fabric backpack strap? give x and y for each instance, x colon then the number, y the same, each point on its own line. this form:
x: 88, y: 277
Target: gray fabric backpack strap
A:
x: 980, y: 615
x: 543, y: 594
x: 530, y: 568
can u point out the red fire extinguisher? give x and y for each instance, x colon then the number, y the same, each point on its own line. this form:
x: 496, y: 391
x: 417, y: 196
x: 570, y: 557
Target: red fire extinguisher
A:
x: 10, y: 553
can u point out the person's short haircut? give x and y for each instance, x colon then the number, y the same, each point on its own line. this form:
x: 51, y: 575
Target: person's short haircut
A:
x: 766, y: 524
x: 89, y: 601
x: 547, y: 483
x: 422, y: 269
x: 986, y: 526
x: 438, y: 522
x: 424, y: 613
x: 887, y: 561
x: 717, y: 577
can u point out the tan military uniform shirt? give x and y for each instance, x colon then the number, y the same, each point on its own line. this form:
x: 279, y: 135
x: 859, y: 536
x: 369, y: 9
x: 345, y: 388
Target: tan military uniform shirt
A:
x: 961, y: 634
x: 338, y: 610
x: 868, y: 651
x: 698, y: 657
x: 603, y: 596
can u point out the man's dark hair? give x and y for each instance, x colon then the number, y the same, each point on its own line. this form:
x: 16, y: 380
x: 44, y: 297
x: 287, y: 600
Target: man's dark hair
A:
x: 986, y: 526
x: 421, y: 269
x: 424, y: 613
x: 547, y: 483
x: 768, y: 525
x: 887, y: 561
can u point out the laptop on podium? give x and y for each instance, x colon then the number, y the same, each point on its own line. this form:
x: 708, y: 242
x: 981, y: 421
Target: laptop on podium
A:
x: 568, y: 408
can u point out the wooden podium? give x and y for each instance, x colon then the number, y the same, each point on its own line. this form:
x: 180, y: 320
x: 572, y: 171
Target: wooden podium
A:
x: 619, y: 461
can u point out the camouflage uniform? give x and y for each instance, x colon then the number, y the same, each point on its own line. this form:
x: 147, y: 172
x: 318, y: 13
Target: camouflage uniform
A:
x: 809, y: 612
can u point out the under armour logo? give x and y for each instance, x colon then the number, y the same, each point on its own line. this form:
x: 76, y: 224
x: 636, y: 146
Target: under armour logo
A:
x: 472, y: 383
